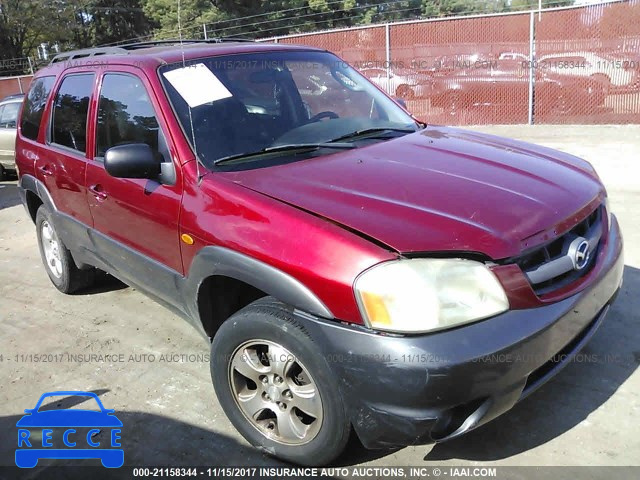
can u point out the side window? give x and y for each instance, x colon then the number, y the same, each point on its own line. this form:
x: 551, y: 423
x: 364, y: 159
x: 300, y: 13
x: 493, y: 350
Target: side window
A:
x: 126, y: 115
x: 9, y: 115
x: 34, y: 106
x: 69, y: 121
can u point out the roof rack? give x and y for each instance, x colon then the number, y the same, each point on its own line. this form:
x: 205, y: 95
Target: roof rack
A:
x: 128, y: 47
x: 153, y: 43
x: 87, y: 52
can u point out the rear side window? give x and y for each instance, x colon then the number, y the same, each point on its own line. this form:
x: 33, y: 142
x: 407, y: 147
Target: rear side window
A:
x: 34, y: 106
x: 69, y: 120
x: 125, y: 114
x: 9, y: 115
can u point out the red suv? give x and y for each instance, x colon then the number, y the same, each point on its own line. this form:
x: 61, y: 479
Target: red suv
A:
x: 355, y: 269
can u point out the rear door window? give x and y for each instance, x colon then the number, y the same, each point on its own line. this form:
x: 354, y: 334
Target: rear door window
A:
x: 69, y: 119
x: 34, y: 106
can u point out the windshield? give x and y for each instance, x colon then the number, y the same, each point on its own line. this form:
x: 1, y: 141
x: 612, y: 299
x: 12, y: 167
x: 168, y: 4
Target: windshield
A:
x: 299, y: 101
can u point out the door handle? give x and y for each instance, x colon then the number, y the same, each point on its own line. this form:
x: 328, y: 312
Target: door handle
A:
x: 45, y: 170
x: 97, y: 192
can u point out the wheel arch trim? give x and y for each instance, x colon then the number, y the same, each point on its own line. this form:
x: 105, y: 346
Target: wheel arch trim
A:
x: 32, y: 184
x: 221, y: 261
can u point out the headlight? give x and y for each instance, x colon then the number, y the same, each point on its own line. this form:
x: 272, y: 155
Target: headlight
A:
x: 422, y: 295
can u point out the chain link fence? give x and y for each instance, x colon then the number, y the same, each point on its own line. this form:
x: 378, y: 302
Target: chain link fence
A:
x: 573, y: 65
x: 11, y: 85
x: 14, y: 77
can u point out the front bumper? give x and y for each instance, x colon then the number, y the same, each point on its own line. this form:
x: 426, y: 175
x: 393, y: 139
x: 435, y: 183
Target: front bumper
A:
x: 402, y: 390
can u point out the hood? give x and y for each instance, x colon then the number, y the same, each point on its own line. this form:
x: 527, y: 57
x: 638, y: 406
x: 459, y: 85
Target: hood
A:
x: 439, y: 189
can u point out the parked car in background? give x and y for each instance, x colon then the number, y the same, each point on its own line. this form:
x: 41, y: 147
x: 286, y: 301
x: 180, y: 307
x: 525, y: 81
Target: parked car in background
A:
x: 406, y: 84
x: 462, y: 61
x: 630, y: 62
x: 12, y: 96
x: 513, y: 56
x: 506, y: 83
x: 587, y: 64
x: 9, y: 108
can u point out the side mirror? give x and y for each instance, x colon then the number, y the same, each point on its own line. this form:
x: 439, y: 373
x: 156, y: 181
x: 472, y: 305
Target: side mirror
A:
x: 135, y: 160
x: 401, y: 102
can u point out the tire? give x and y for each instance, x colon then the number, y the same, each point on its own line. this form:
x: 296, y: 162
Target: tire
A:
x: 3, y: 173
x: 564, y: 103
x: 56, y: 257
x: 406, y: 92
x: 604, y: 80
x: 312, y: 437
x: 453, y: 102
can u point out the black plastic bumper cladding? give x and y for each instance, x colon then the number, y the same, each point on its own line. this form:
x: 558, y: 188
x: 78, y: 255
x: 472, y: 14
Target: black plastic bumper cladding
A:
x: 417, y: 389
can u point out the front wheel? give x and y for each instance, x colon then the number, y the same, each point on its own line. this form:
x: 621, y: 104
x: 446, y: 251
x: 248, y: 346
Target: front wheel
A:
x: 276, y: 387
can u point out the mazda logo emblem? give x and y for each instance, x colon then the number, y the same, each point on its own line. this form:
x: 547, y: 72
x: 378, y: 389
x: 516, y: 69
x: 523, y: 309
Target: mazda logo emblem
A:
x: 581, y: 256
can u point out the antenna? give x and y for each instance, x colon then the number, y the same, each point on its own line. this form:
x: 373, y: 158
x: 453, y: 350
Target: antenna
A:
x: 193, y: 132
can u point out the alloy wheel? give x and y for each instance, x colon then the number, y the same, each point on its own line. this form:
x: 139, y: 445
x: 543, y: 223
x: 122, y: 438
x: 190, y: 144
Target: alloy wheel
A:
x: 275, y: 392
x: 51, y: 247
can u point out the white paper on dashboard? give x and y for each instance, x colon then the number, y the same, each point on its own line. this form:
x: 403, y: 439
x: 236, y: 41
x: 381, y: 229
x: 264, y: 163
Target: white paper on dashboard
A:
x: 197, y: 84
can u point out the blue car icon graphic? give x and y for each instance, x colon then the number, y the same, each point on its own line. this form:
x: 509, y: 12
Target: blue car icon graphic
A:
x: 78, y: 445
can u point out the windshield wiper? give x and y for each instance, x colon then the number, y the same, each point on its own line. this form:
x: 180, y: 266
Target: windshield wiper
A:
x: 283, y: 148
x: 367, y: 131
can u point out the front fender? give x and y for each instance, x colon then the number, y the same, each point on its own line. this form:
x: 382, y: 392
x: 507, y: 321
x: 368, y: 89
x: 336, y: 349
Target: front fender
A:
x: 214, y: 260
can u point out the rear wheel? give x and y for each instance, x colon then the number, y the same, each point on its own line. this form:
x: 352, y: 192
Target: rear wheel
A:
x: 3, y: 173
x: 57, y: 259
x: 276, y: 387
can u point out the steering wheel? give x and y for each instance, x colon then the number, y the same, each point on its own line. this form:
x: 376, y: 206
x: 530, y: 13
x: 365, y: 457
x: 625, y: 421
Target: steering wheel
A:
x: 319, y: 116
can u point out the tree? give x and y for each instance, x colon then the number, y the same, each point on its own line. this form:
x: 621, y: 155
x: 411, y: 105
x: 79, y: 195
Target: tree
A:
x: 193, y: 14
x: 274, y: 17
x: 533, y: 4
x: 111, y: 21
x: 66, y: 24
x: 23, y: 25
x: 443, y: 8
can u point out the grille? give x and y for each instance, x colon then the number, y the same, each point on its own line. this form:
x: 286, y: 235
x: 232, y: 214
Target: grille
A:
x: 553, y: 265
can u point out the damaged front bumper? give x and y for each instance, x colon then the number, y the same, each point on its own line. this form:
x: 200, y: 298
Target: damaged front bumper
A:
x: 402, y: 390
